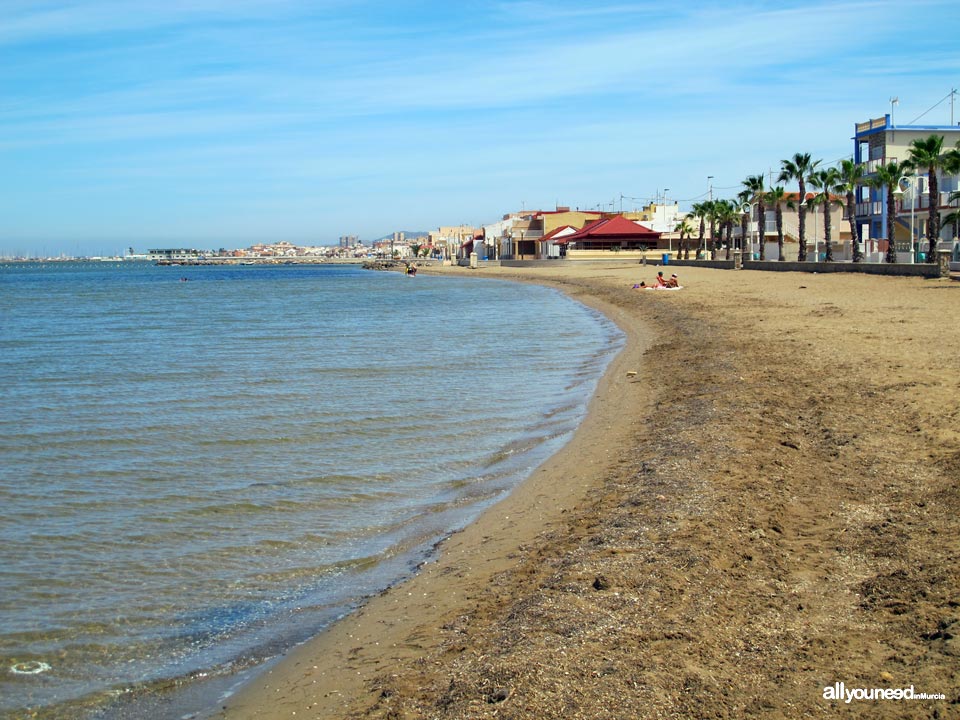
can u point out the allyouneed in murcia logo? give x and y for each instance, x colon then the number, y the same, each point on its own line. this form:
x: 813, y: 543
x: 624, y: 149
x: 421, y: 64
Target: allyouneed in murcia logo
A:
x: 839, y: 691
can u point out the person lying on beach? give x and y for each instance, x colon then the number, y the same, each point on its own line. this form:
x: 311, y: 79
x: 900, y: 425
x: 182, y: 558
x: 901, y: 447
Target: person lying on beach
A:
x: 671, y: 284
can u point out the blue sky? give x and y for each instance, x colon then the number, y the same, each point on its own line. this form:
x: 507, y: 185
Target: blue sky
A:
x: 220, y: 123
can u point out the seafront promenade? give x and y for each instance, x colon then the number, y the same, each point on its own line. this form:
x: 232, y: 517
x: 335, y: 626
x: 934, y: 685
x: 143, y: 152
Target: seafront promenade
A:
x: 762, y: 503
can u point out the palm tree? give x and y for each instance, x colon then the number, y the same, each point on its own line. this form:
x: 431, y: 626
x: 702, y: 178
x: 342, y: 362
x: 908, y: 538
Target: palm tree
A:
x: 799, y: 169
x: 727, y: 215
x: 712, y: 211
x: 824, y: 180
x: 850, y: 176
x: 754, y: 185
x: 777, y: 197
x: 954, y: 217
x: 700, y: 210
x: 926, y: 153
x: 951, y: 166
x: 887, y: 176
x: 683, y: 227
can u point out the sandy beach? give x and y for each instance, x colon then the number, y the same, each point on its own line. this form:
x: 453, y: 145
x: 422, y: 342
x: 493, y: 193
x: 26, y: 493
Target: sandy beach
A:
x: 763, y: 502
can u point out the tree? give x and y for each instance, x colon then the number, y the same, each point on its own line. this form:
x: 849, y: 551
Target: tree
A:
x: 712, y: 207
x: 951, y: 160
x: 725, y: 213
x: 700, y: 210
x: 951, y: 166
x: 754, y: 185
x: 954, y: 217
x: 799, y: 168
x: 778, y: 197
x: 887, y: 176
x: 849, y: 177
x: 824, y: 181
x: 683, y: 227
x: 926, y: 153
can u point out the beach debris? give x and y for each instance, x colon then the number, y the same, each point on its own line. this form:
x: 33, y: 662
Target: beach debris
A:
x: 600, y: 583
x: 498, y: 695
x: 30, y: 667
x: 631, y: 373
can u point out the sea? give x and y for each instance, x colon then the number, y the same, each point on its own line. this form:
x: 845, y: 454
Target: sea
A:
x: 201, y: 467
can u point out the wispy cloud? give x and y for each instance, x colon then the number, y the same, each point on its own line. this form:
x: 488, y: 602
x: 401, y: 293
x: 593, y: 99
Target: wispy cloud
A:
x: 480, y: 100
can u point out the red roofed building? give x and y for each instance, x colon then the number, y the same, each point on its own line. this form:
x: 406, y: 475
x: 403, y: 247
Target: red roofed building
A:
x: 613, y: 234
x: 552, y: 244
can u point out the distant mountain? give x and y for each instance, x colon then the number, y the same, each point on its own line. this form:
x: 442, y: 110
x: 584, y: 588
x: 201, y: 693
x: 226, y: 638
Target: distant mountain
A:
x: 408, y: 234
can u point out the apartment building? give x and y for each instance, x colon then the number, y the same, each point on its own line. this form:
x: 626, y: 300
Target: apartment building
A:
x: 878, y: 142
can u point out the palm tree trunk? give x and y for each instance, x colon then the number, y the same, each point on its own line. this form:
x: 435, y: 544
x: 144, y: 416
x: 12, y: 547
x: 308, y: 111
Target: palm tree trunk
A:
x: 744, y: 229
x: 828, y: 248
x: 854, y: 230
x: 933, y: 225
x: 891, y: 256
x: 802, y: 221
x: 761, y: 225
x: 780, y: 256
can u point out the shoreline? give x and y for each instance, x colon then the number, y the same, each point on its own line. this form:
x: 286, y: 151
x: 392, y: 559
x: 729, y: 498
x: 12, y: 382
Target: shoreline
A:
x: 731, y: 529
x: 346, y: 656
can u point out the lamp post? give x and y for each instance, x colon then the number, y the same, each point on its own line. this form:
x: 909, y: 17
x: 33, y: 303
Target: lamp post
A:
x: 913, y: 182
x: 812, y: 206
x: 748, y: 241
x: 669, y: 239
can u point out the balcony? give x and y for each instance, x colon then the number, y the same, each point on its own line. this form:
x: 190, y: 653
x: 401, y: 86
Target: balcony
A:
x: 866, y: 209
x: 923, y: 201
x: 874, y: 124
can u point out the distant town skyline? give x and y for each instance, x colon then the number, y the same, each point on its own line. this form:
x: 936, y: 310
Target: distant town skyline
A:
x: 219, y: 123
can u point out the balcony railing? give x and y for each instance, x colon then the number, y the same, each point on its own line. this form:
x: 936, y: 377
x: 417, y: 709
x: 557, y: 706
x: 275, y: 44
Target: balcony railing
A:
x: 873, y: 207
x: 923, y: 201
x: 871, y: 124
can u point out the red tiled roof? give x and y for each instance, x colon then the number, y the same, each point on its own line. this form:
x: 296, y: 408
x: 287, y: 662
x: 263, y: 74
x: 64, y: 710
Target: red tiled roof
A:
x: 557, y: 231
x: 617, y: 227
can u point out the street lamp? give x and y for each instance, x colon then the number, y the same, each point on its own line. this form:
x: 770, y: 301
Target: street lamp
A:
x: 913, y: 182
x: 748, y: 207
x: 669, y: 239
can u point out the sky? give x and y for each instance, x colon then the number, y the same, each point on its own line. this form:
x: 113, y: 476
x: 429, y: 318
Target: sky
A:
x: 223, y: 123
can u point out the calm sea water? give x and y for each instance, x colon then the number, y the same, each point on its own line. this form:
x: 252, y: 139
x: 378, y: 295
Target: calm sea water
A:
x: 195, y: 474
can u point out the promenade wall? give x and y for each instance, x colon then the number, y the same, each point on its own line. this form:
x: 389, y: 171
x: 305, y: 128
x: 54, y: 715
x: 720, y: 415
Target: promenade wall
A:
x: 927, y: 270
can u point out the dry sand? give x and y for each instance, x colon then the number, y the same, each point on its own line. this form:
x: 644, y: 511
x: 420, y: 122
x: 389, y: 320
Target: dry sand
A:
x: 768, y: 507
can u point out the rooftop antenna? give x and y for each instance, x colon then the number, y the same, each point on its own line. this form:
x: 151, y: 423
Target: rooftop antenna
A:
x: 893, y: 101
x: 953, y: 95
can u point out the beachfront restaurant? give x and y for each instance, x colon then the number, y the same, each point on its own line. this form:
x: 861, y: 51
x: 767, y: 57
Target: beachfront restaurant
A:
x: 610, y: 237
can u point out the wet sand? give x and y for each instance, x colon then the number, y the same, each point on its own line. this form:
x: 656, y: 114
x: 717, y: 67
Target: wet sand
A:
x: 762, y: 502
